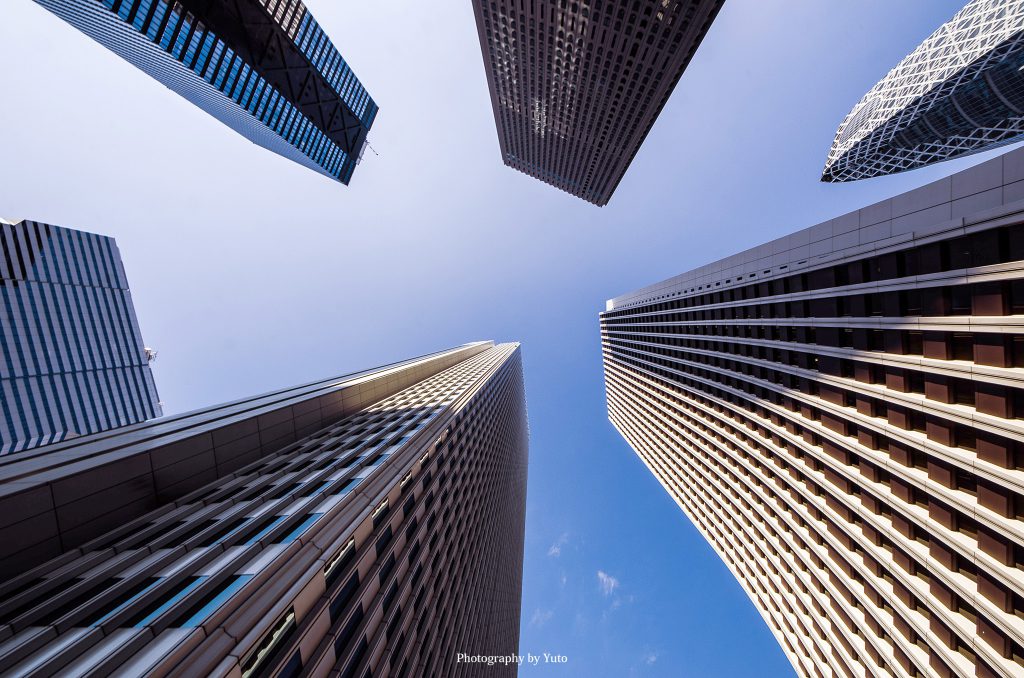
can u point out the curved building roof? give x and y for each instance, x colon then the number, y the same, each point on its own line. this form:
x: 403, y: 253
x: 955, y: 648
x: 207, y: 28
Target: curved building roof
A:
x: 961, y: 91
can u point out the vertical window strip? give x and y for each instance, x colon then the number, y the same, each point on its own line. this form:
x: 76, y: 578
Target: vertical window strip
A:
x: 89, y: 404
x: 70, y: 411
x: 7, y: 412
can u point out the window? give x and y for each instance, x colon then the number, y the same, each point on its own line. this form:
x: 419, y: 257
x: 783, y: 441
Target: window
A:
x: 165, y: 602
x: 389, y: 597
x: 347, y: 487
x: 188, y: 529
x: 269, y: 646
x: 298, y: 529
x: 206, y: 605
x: 336, y: 565
x: 386, y: 568
x: 966, y: 482
x: 344, y: 597
x: 380, y: 513
x: 124, y: 600
x: 915, y: 343
x: 960, y: 300
x: 227, y: 527
x: 260, y: 529
x: 342, y: 641
x: 384, y: 540
x: 963, y: 347
x: 292, y: 668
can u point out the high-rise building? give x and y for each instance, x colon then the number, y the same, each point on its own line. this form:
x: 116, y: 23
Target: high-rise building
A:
x: 72, y: 360
x: 576, y: 87
x: 264, y: 68
x: 961, y: 91
x: 840, y: 412
x: 369, y: 524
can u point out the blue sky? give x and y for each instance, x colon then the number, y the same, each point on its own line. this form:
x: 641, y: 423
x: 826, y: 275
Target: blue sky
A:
x: 250, y: 272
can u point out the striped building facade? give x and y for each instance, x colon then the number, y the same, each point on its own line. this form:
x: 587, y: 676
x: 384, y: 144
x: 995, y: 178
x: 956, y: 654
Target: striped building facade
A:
x: 840, y: 412
x: 265, y: 68
x: 369, y: 524
x: 72, y: 360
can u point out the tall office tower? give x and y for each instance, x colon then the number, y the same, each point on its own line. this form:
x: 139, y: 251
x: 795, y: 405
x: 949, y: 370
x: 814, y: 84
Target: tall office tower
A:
x: 264, y: 68
x: 840, y: 412
x: 370, y: 524
x: 961, y: 91
x: 576, y: 87
x: 72, y: 359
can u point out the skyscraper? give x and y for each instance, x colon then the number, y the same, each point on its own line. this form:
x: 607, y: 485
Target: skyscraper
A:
x: 264, y: 68
x: 840, y: 412
x: 72, y: 360
x: 369, y: 524
x: 576, y: 87
x: 961, y: 91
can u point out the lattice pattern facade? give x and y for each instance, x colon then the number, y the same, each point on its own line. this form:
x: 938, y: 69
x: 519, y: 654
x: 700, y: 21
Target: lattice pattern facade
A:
x: 841, y: 414
x: 383, y: 544
x: 72, y: 360
x: 961, y: 91
x: 265, y: 68
x: 576, y: 87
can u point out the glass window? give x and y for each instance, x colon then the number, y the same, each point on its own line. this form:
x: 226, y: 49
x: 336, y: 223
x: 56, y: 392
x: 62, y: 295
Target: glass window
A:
x: 165, y: 602
x: 210, y: 602
x: 298, y: 529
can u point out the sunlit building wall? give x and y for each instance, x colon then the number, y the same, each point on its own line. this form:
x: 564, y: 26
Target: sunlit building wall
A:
x: 369, y: 524
x: 840, y: 412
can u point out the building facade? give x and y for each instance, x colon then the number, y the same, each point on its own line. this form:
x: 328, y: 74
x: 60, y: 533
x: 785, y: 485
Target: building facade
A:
x: 840, y: 412
x: 265, y: 68
x: 576, y: 87
x: 72, y: 360
x: 961, y: 91
x: 369, y: 524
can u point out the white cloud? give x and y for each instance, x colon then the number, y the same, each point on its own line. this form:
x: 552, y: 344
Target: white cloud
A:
x: 541, y: 617
x: 650, y: 658
x: 606, y: 582
x: 556, y: 548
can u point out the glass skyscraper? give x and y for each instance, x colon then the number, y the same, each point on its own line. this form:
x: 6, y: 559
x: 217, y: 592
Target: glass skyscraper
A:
x: 370, y: 524
x: 265, y: 68
x: 960, y: 92
x: 72, y: 359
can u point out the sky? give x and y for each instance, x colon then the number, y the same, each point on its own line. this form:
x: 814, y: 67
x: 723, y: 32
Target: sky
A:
x: 251, y: 273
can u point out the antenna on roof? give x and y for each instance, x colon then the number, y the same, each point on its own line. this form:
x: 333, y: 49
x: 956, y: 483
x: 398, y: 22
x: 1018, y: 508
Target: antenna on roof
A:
x: 362, y: 150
